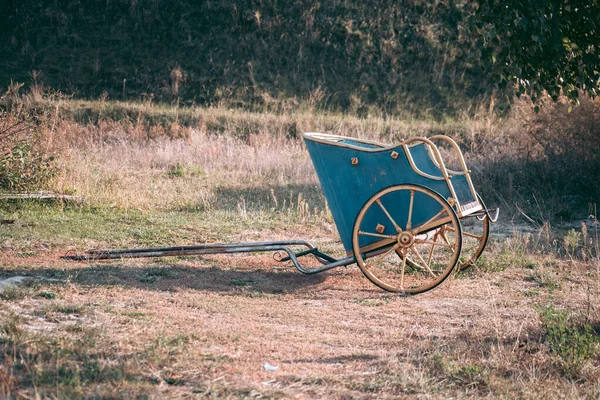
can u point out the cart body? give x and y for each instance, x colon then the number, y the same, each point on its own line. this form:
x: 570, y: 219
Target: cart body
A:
x: 352, y: 170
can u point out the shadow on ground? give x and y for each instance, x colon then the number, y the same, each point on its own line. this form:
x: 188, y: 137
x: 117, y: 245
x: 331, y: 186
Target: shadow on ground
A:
x: 337, y: 360
x: 172, y: 277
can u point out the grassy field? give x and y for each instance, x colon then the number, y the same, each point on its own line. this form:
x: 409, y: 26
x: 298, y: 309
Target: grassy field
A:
x: 524, y: 322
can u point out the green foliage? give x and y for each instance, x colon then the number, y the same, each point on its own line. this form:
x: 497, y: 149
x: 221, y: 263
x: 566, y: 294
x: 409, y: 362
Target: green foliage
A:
x: 569, y: 141
x: 541, y: 45
x: 23, y: 168
x: 45, y: 295
x: 508, y: 257
x: 471, y: 375
x: 412, y: 55
x: 573, y: 345
x: 176, y: 171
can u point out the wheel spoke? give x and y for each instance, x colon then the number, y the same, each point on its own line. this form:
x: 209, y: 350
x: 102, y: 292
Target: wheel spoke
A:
x: 475, y: 237
x: 450, y: 246
x: 430, y: 253
x: 402, y: 272
x: 398, y: 229
x: 444, y: 238
x: 399, y: 252
x: 432, y: 219
x: 410, y: 210
x: 377, y: 235
x: 425, y: 265
x: 472, y: 235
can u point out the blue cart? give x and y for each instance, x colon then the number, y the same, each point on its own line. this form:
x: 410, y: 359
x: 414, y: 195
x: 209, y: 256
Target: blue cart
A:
x: 398, y: 209
x: 403, y: 216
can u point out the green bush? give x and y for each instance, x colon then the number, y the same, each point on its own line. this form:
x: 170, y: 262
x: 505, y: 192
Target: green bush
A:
x: 23, y: 168
x: 573, y: 345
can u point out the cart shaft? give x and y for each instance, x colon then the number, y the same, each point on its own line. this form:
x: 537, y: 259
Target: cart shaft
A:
x: 224, y: 248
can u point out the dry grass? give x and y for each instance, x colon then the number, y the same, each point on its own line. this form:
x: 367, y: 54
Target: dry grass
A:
x: 175, y: 174
x: 208, y: 325
x: 546, y: 164
x: 146, y: 160
x: 205, y: 326
x: 113, y: 152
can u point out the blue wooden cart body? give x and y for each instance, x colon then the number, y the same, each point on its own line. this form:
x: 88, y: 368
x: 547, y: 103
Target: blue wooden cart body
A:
x: 351, y: 171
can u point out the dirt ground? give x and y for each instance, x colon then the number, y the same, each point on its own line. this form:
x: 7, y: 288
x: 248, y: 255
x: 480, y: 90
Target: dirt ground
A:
x: 213, y: 326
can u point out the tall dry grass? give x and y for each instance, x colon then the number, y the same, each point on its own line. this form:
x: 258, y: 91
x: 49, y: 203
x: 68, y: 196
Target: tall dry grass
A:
x: 144, y: 155
x: 169, y: 173
x: 151, y: 157
x: 545, y: 164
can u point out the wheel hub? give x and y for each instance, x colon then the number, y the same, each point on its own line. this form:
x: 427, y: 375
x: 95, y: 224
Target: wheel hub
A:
x: 405, y: 239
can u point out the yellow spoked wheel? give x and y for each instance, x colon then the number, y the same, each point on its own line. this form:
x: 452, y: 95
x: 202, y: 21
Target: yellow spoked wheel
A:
x: 418, y: 253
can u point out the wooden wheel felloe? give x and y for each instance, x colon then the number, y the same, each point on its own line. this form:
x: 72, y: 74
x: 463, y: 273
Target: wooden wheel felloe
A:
x: 407, y: 239
x: 475, y: 233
